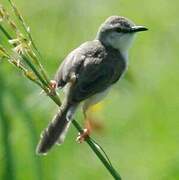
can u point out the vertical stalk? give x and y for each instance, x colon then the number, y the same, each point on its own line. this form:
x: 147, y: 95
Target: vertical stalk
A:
x: 27, y: 117
x: 8, y: 173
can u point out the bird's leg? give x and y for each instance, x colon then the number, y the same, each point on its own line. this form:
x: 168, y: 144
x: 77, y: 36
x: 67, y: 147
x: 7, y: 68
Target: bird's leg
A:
x: 91, y: 123
x: 87, y: 131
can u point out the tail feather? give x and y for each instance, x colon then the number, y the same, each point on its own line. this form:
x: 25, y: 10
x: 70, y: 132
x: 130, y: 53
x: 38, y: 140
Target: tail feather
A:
x: 55, y: 131
x: 63, y: 134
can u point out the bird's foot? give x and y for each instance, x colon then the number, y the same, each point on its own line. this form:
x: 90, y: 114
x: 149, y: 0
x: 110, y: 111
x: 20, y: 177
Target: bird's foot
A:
x: 52, y: 87
x: 53, y: 84
x: 83, y: 136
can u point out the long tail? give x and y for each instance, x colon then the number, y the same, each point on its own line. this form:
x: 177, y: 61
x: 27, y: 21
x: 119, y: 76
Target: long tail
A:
x: 56, y: 130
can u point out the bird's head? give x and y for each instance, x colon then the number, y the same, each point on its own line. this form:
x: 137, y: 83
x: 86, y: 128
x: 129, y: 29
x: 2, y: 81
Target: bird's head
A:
x: 118, y: 32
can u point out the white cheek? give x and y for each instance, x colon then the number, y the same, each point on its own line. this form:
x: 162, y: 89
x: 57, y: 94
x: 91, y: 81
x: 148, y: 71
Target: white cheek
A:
x: 121, y: 41
x: 126, y: 41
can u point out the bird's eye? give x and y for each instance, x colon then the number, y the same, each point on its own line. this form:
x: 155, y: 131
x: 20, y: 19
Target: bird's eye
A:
x: 123, y: 30
x: 118, y: 30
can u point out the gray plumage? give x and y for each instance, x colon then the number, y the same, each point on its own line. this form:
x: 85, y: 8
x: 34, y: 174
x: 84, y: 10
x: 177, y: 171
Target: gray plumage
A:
x: 97, y: 65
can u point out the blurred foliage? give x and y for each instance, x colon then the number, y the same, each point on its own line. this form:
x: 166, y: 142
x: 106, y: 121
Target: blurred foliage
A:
x: 140, y: 115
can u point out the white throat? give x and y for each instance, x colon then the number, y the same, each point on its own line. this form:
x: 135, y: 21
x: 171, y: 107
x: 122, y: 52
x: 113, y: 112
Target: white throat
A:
x: 121, y: 41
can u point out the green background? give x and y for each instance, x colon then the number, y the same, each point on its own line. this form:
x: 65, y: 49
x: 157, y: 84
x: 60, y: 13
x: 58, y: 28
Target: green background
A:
x: 140, y: 115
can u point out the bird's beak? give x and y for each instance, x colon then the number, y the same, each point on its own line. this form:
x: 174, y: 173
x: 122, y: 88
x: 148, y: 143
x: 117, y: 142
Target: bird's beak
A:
x: 138, y: 29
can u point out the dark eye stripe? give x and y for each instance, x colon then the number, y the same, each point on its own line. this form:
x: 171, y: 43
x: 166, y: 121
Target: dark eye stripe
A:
x: 123, y: 30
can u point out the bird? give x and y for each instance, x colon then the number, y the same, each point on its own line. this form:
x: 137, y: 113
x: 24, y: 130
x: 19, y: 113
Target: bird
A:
x: 88, y: 73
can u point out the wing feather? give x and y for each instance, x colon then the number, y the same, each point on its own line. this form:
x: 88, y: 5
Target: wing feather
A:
x: 96, y: 67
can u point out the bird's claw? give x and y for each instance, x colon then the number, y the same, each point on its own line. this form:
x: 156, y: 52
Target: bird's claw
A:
x: 53, y: 84
x: 83, y: 136
x: 52, y: 87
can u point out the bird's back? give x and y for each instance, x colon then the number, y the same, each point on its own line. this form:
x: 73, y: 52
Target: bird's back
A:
x: 96, y: 67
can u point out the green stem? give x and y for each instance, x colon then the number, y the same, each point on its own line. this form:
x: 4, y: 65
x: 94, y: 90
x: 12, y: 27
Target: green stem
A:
x: 5, y: 32
x: 5, y: 131
x: 113, y: 172
x: 30, y: 126
x: 34, y: 70
x: 56, y: 99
